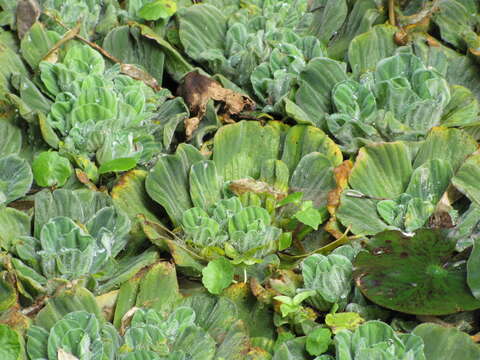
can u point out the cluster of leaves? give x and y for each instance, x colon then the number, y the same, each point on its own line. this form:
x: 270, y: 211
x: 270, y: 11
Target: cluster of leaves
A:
x: 311, y: 188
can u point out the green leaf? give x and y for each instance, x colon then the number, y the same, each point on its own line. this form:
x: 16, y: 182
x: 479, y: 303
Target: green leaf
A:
x: 15, y: 178
x: 302, y: 140
x: 161, y: 276
x: 430, y: 180
x: 426, y: 281
x: 315, y: 178
x: 318, y: 341
x: 202, y: 29
x: 65, y: 302
x: 51, y: 169
x: 158, y: 9
x: 11, y: 344
x: 377, y: 340
x: 343, y: 321
x: 310, y: 217
x: 14, y: 223
x: 8, y: 297
x: 249, y: 218
x: 12, y: 138
x: 459, y: 144
x: 117, y: 165
x: 473, y: 269
x: 291, y: 350
x: 455, y: 20
x: 284, y: 241
x: 443, y: 343
x: 465, y: 178
x: 217, y: 275
x: 173, y: 195
x: 36, y: 43
x: 76, y: 333
x: 315, y: 85
x: 414, y: 179
x: 388, y: 210
x: 68, y: 250
x: 294, y: 198
x: 205, y: 184
x: 240, y: 149
x: 11, y: 63
x: 128, y: 45
x: 80, y: 205
x: 462, y: 108
x: 129, y: 195
x: 330, y: 277
x: 373, y: 177
x: 329, y: 19
x: 360, y: 214
x: 175, y: 64
x: 367, y: 49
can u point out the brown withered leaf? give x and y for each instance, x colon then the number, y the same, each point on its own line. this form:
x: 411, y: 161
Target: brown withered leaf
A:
x: 52, y: 54
x: 138, y: 74
x: 22, y: 205
x: 242, y: 186
x: 341, y: 172
x: 191, y: 124
x: 27, y: 13
x: 197, y: 89
x: 83, y: 178
x: 107, y: 302
x: 441, y: 218
x: 127, y: 319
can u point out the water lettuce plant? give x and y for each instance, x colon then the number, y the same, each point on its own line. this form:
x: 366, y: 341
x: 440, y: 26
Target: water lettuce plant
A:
x: 98, y: 114
x: 401, y: 98
x: 80, y: 245
x: 377, y: 339
x: 408, y: 185
x: 308, y: 168
x: 227, y: 206
x: 261, y: 47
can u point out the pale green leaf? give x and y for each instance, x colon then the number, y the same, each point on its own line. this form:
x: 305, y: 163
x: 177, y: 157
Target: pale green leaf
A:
x: 217, y: 275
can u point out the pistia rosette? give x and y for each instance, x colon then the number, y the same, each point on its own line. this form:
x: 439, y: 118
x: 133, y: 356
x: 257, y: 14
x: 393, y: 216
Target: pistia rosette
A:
x: 401, y: 98
x: 262, y: 47
x: 399, y: 185
x: 231, y: 205
x: 377, y: 339
x: 94, y: 115
x: 82, y: 244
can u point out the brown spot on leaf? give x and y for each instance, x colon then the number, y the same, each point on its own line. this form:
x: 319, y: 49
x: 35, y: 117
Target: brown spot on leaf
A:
x: 403, y: 255
x: 381, y: 250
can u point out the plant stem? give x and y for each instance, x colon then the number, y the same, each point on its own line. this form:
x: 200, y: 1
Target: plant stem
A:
x: 391, y: 12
